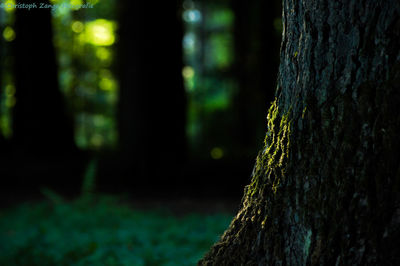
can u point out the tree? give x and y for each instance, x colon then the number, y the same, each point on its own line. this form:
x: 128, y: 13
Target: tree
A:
x: 325, y: 188
x: 41, y: 125
x: 255, y: 41
x: 43, y: 134
x: 152, y: 96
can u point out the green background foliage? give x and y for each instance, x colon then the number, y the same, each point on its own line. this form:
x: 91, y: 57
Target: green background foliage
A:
x: 104, y: 232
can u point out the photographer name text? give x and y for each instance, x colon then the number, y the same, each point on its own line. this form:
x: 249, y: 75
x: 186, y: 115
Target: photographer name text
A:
x: 53, y: 7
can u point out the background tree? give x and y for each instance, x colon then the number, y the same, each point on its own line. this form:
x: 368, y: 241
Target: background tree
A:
x: 40, y: 120
x: 325, y: 188
x: 41, y: 128
x: 152, y: 96
x: 2, y: 138
x: 256, y: 61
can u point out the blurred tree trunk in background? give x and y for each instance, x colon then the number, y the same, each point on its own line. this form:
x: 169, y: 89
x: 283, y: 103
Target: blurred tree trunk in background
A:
x: 42, y: 131
x: 256, y: 65
x: 2, y: 56
x: 325, y: 189
x: 3, y: 141
x: 41, y: 125
x: 152, y: 97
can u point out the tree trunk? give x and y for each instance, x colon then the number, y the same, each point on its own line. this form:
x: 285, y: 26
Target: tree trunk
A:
x: 325, y: 188
x: 152, y: 97
x: 43, y: 146
x: 41, y: 126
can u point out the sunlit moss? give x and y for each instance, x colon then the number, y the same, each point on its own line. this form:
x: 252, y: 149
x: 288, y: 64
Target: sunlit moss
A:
x: 271, y: 163
x: 304, y: 112
x: 77, y: 26
x: 9, y: 34
x: 217, y: 153
x: 100, y: 32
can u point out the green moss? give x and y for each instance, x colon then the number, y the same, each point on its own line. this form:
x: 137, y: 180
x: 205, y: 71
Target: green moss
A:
x: 271, y: 163
x: 304, y: 112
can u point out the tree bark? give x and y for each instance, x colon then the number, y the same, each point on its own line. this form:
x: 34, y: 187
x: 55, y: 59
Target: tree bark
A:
x: 325, y: 188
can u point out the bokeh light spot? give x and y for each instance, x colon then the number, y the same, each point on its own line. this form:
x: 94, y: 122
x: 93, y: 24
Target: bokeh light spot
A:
x: 107, y: 84
x: 9, y: 6
x: 193, y: 15
x: 10, y: 90
x: 9, y: 34
x: 188, y: 72
x: 75, y: 4
x: 217, y: 153
x: 77, y: 26
x: 103, y: 53
x: 100, y: 32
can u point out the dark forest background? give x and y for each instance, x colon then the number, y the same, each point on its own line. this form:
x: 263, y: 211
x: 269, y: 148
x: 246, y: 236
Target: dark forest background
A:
x: 161, y: 99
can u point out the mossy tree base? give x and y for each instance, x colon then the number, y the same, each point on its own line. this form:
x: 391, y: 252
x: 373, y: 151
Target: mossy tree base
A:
x: 325, y: 188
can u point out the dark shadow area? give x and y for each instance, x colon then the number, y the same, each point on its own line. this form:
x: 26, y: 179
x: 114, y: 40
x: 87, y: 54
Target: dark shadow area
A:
x: 193, y: 84
x: 161, y: 105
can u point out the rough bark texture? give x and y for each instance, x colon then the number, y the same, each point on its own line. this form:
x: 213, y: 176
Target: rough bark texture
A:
x: 325, y: 189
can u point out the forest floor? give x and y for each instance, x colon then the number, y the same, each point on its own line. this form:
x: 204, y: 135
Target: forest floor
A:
x: 111, y: 230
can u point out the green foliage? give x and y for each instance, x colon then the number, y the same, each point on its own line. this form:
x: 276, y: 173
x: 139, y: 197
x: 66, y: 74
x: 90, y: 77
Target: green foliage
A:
x: 208, y: 74
x: 104, y: 233
x: 84, y: 40
x: 51, y: 195
x: 220, y: 17
x: 89, y: 180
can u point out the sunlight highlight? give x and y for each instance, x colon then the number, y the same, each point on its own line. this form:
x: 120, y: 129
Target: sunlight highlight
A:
x: 9, y: 6
x: 100, y: 32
